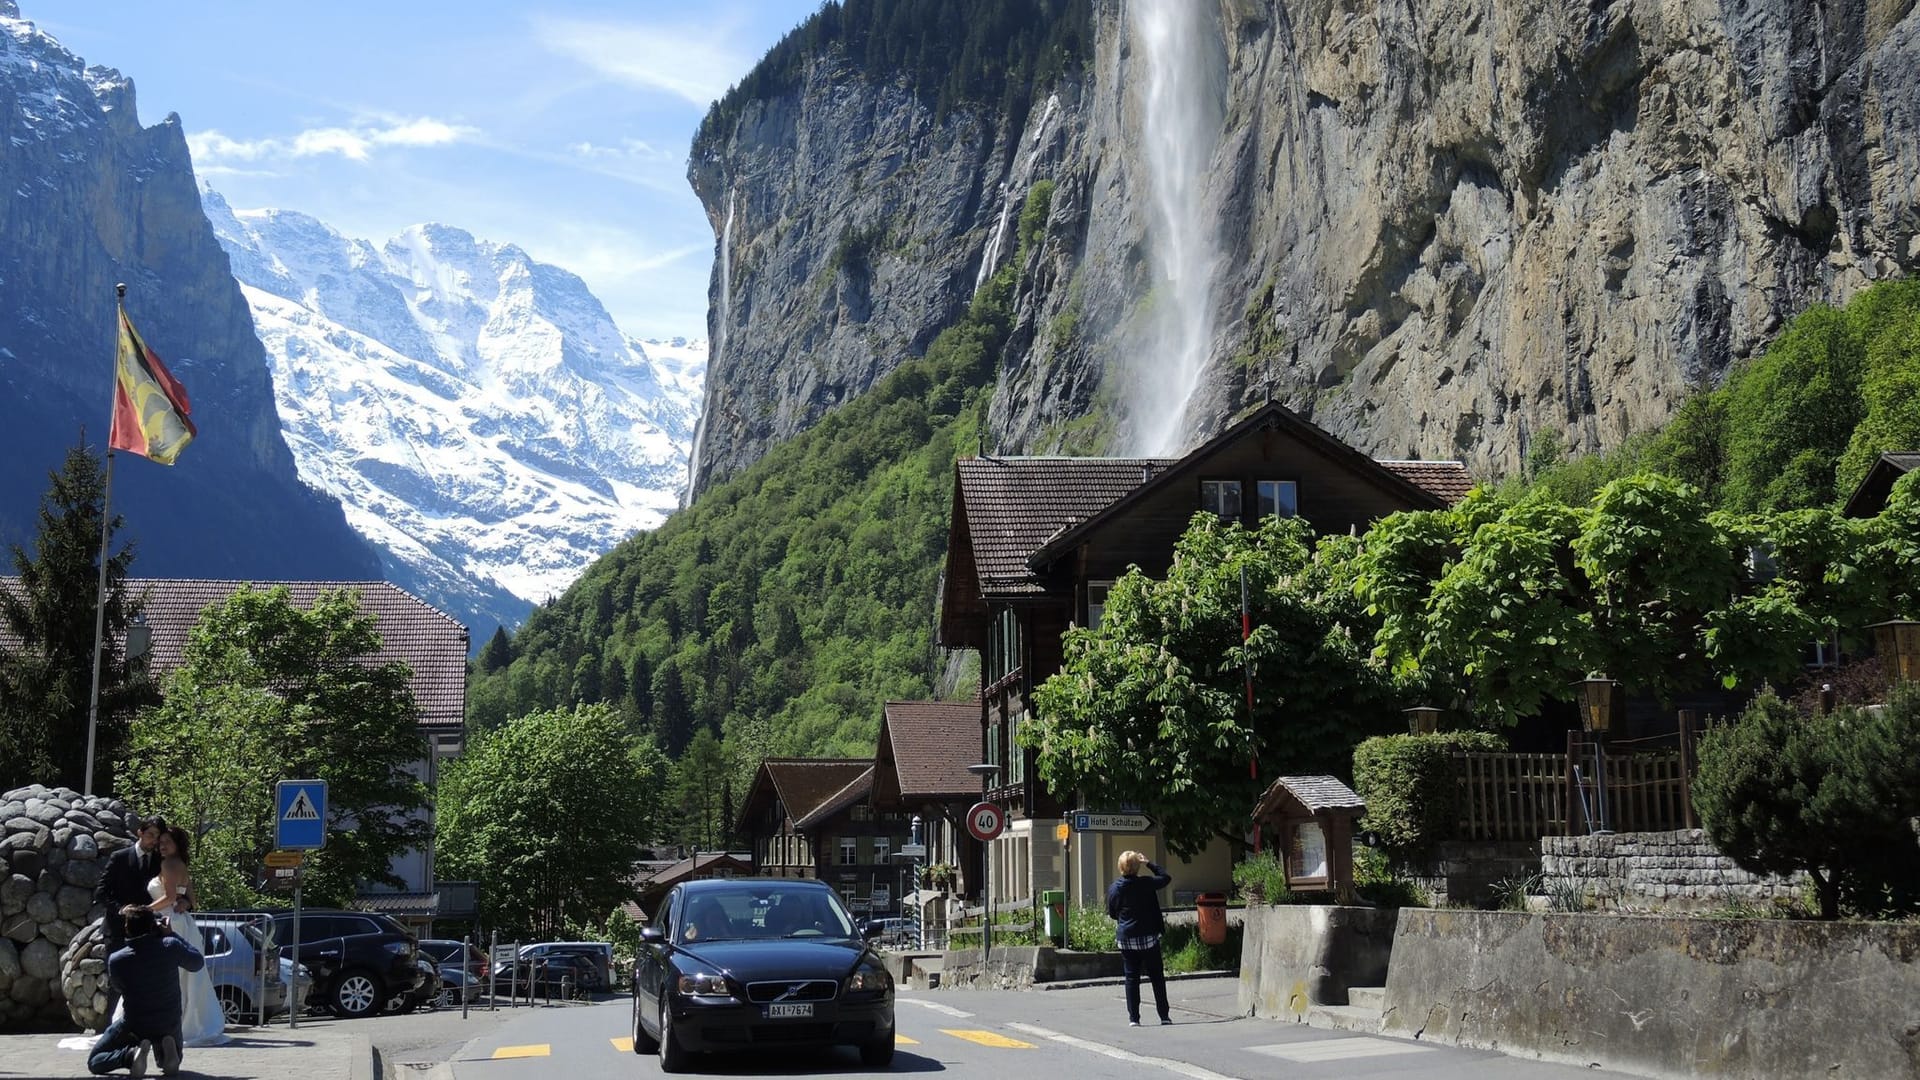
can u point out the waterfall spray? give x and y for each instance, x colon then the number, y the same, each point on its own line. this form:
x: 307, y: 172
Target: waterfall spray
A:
x: 1180, y: 125
x: 717, y: 344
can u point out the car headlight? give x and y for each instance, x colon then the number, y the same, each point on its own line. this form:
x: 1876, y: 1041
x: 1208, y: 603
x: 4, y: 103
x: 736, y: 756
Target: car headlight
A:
x: 869, y: 979
x: 703, y: 984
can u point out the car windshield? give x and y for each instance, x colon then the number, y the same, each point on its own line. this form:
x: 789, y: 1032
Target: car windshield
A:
x: 763, y: 910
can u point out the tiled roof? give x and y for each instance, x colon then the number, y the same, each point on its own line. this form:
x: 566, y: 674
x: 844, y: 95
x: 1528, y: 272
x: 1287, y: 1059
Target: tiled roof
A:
x: 427, y: 640
x: 1014, y: 505
x: 1316, y: 793
x: 1447, y: 481
x: 801, y: 784
x: 933, y: 742
x: 685, y: 869
x: 416, y: 904
x: 856, y: 789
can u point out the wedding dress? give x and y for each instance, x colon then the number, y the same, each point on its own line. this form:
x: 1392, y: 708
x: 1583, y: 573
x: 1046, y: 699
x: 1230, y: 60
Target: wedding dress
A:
x: 202, y: 1022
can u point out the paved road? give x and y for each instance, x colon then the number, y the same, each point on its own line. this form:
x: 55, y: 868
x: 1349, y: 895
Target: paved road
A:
x: 983, y: 1035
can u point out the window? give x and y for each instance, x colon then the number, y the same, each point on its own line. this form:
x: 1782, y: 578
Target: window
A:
x: 847, y: 855
x: 1016, y: 757
x: 1096, y: 602
x: 1221, y: 497
x: 882, y: 849
x: 862, y: 812
x: 1003, y: 645
x: 1279, y: 498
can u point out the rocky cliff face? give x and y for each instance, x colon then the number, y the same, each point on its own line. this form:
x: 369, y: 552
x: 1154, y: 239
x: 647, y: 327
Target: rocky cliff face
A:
x: 1438, y: 229
x: 94, y: 199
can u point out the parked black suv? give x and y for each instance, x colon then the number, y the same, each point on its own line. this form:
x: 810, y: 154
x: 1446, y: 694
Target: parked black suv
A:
x: 360, y: 960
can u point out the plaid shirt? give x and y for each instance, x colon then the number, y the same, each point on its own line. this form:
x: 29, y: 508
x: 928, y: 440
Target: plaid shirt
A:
x: 1150, y: 941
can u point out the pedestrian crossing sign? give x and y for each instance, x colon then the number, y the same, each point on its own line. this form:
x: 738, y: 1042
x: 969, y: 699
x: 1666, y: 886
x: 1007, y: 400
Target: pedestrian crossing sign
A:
x: 300, y: 823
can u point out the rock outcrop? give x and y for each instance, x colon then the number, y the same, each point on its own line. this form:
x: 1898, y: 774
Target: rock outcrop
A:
x: 95, y: 199
x: 1440, y: 230
x: 54, y: 843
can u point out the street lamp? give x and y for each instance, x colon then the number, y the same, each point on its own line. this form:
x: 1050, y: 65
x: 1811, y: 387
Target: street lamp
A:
x: 1599, y: 703
x: 1897, y: 643
x: 1422, y: 720
x: 986, y: 771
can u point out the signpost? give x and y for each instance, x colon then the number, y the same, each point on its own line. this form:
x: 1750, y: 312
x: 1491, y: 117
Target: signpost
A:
x: 300, y: 826
x: 985, y: 820
x: 1096, y: 821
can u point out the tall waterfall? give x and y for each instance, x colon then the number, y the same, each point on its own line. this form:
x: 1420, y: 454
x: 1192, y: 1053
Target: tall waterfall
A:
x: 717, y: 343
x: 1183, y: 111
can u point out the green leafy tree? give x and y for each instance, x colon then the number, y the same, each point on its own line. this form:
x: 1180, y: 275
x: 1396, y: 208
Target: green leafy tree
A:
x: 1831, y: 794
x: 266, y: 691
x: 1150, y: 707
x: 699, y: 795
x: 46, y: 681
x: 548, y: 814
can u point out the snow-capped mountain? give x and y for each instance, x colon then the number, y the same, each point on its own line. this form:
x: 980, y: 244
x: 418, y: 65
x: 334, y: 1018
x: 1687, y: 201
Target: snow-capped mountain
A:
x: 478, y: 413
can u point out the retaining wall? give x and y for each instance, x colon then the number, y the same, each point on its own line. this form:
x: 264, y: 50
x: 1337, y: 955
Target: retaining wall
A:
x: 1655, y: 871
x: 1679, y: 997
x: 1296, y: 955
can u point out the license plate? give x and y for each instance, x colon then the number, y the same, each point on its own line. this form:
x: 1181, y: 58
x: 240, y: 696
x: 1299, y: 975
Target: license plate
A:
x: 788, y: 1011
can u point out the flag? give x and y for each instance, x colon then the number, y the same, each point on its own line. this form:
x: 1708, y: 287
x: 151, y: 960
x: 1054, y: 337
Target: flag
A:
x: 149, y: 405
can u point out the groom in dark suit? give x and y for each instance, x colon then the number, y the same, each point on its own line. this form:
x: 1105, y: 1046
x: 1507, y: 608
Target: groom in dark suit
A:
x: 124, y: 882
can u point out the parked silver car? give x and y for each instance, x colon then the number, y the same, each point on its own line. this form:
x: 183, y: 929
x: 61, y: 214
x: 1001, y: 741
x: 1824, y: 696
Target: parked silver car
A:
x: 243, y: 962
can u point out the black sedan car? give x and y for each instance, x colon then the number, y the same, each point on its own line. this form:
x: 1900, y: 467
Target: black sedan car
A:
x: 740, y: 963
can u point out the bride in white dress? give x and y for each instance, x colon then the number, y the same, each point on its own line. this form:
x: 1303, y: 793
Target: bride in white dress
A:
x: 202, y: 1023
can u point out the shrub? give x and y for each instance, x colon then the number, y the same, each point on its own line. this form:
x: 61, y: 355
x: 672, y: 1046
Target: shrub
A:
x: 1831, y: 794
x: 1184, y: 951
x: 1260, y: 879
x: 1375, y: 882
x: 1408, y: 783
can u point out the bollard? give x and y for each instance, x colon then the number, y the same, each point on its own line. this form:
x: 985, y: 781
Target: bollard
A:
x: 492, y: 976
x: 466, y: 973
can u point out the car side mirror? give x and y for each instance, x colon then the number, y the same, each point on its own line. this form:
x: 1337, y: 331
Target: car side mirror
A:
x: 652, y: 935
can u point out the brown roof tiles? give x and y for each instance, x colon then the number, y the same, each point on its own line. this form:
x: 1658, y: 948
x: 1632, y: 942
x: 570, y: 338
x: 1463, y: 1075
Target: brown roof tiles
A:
x: 1014, y: 505
x: 932, y: 744
x: 1447, y: 481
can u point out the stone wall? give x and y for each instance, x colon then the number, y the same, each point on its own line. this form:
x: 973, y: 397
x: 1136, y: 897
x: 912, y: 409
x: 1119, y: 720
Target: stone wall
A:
x: 1296, y: 955
x: 1463, y: 873
x: 53, y: 846
x: 1654, y: 872
x: 1754, y: 999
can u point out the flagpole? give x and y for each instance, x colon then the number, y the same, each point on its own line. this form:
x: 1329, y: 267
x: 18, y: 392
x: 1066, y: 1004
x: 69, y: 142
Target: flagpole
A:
x: 106, y: 525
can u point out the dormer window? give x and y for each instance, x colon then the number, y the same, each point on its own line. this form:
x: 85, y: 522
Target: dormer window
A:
x: 1221, y: 497
x: 1279, y: 498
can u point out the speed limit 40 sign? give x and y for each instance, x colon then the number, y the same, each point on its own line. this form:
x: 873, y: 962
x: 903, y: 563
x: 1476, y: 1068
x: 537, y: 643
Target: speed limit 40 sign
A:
x: 986, y: 820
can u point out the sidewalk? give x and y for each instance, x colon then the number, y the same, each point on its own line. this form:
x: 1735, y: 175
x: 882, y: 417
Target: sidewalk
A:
x: 320, y: 1052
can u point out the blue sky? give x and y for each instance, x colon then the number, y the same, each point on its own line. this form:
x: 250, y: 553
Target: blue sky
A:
x: 561, y: 126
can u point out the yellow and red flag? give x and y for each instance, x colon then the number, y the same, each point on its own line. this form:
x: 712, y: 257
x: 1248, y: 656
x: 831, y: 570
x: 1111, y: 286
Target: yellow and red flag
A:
x: 149, y: 405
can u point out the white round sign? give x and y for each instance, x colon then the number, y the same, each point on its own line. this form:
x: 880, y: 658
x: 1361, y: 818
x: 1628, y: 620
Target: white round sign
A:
x: 985, y: 820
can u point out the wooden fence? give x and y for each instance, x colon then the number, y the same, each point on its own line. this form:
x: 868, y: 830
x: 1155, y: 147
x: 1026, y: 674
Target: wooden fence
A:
x: 1527, y: 796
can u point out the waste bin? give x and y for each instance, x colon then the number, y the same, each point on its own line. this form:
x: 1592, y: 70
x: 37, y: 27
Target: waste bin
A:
x: 1211, y: 908
x: 1053, y: 915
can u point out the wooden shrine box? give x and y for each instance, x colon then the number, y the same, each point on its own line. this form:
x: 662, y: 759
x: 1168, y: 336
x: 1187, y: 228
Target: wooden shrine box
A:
x: 1309, y: 821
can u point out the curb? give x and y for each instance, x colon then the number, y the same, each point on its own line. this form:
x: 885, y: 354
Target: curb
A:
x: 365, y: 1060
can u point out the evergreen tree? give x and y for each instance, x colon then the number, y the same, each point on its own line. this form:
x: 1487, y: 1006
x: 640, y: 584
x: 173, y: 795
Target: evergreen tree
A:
x: 497, y: 652
x: 46, y: 684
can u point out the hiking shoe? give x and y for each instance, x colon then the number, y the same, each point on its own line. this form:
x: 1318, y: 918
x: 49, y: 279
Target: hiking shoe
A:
x: 1166, y: 1021
x: 139, y: 1065
x: 169, y: 1055
x: 1133, y: 1023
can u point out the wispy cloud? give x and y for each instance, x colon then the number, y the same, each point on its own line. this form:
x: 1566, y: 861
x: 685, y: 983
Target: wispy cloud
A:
x: 696, y: 63
x: 355, y: 143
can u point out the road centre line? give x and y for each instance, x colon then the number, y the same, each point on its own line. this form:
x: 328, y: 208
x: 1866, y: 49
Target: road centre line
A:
x: 624, y: 1044
x: 987, y: 1038
x: 1195, y: 1072
x: 530, y: 1050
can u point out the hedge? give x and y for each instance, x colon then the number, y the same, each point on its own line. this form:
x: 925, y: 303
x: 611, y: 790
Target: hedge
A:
x: 1408, y: 783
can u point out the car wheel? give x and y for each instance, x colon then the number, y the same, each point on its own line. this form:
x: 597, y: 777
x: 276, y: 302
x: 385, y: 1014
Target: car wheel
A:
x: 643, y: 1043
x: 357, y: 994
x: 673, y: 1056
x: 235, y: 1006
x: 879, y: 1054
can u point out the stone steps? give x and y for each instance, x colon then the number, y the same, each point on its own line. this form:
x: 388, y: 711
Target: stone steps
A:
x: 1344, y: 1018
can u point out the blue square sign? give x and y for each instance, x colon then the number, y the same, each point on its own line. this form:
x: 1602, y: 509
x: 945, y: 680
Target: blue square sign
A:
x: 300, y: 815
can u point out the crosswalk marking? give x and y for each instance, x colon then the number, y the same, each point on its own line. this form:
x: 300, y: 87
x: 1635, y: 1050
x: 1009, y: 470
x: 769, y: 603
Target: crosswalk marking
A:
x: 987, y: 1038
x: 530, y: 1050
x: 1339, y: 1049
x: 936, y: 1006
x: 1194, y: 1072
x: 624, y: 1044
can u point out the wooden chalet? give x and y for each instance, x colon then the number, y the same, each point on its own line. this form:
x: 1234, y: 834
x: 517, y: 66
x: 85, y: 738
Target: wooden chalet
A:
x: 1035, y: 542
x: 815, y: 818
x: 920, y: 769
x: 652, y: 888
x: 1870, y: 496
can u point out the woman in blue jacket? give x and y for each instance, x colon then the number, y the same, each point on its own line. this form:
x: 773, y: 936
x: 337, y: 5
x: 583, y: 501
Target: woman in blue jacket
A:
x: 1134, y: 903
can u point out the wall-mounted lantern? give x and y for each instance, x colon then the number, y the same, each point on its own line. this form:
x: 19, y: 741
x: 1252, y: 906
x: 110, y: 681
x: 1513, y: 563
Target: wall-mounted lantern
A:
x: 1422, y: 720
x: 1897, y: 643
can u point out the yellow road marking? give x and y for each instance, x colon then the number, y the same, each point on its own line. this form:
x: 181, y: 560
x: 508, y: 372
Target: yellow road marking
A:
x: 987, y: 1038
x: 624, y: 1045
x: 904, y: 1041
x: 532, y: 1050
